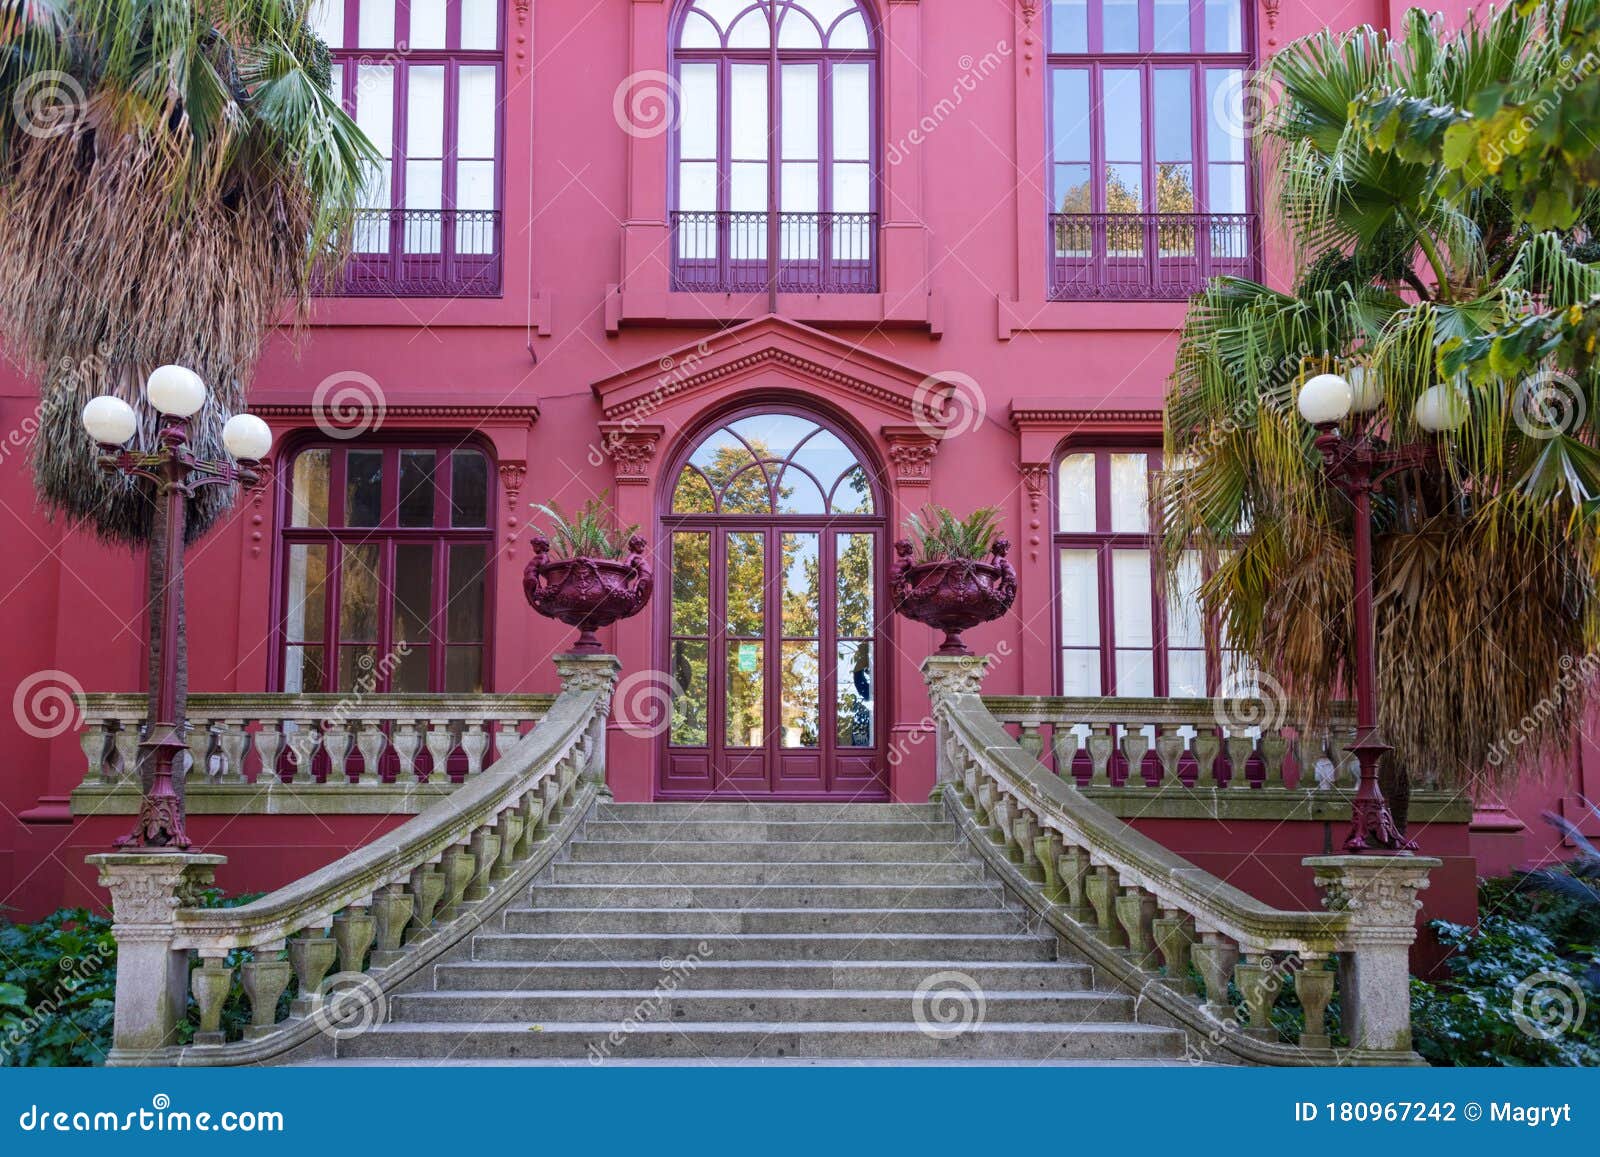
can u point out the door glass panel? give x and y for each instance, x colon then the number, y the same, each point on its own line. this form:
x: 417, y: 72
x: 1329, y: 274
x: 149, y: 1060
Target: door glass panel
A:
x: 1130, y: 493
x: 853, y: 584
x: 689, y: 698
x: 309, y: 497
x: 855, y: 694
x: 801, y: 683
x: 469, y: 489
x: 1132, y: 626
x: 1076, y: 495
x: 416, y: 488
x: 303, y: 670
x: 308, y: 598
x: 358, y: 595
x: 1119, y: 26
x: 407, y: 668
x: 691, y: 583
x: 744, y: 693
x: 463, y: 670
x: 363, y: 487
x: 802, y: 586
x: 746, y: 584
x: 464, y: 615
x: 413, y: 595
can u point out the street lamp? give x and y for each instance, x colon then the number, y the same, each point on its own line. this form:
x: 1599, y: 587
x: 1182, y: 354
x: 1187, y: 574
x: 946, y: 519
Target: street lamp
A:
x: 1356, y: 466
x: 176, y: 473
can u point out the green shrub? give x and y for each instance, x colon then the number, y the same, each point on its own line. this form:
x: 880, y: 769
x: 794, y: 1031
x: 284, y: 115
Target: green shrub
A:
x: 58, y: 979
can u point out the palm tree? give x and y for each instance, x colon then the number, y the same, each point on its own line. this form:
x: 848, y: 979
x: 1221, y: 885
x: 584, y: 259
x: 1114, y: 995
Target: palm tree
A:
x: 1485, y: 582
x: 172, y: 173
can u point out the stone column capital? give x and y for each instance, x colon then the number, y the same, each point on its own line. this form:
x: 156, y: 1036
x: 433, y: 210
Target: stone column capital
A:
x: 951, y: 675
x: 631, y: 446
x: 148, y: 887
x: 1378, y: 893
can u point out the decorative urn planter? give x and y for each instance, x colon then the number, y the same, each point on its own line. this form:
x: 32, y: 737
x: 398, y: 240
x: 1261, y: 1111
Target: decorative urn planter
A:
x: 953, y: 594
x: 587, y: 593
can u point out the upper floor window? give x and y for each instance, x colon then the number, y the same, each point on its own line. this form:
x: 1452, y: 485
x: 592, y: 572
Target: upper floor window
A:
x: 1149, y: 173
x: 423, y: 80
x: 385, y: 567
x: 774, y: 153
x: 1125, y: 630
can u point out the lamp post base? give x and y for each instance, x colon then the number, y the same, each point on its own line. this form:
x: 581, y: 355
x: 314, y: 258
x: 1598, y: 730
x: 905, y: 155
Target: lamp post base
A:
x: 1372, y: 826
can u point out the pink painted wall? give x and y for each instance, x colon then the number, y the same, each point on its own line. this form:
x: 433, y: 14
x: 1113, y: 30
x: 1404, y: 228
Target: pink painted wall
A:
x: 585, y: 302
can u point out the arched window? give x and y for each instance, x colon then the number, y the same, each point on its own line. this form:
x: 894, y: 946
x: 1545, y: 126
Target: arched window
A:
x: 422, y: 79
x: 773, y: 464
x: 806, y: 97
x: 1150, y: 192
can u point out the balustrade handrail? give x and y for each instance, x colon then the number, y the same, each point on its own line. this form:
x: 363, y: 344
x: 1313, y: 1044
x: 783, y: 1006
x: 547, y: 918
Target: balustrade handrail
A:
x: 123, y: 705
x: 1150, y: 709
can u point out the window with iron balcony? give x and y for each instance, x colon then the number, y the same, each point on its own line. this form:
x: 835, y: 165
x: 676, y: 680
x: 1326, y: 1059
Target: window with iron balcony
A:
x: 1150, y: 183
x: 423, y: 80
x: 773, y: 157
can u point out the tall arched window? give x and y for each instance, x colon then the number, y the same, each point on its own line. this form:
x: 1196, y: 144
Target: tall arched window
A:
x: 1150, y: 190
x: 783, y: 125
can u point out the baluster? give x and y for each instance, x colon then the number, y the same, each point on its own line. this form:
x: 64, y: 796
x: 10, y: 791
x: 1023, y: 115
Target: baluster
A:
x: 1030, y: 737
x: 474, y: 741
x: 485, y: 849
x: 1101, y: 888
x: 210, y: 984
x: 1065, y: 741
x: 1239, y: 749
x: 125, y: 742
x: 1047, y: 851
x: 551, y: 792
x: 969, y: 785
x: 336, y: 739
x: 427, y: 890
x: 1136, y: 911
x: 406, y: 743
x: 1273, y: 749
x: 312, y: 955
x: 1259, y: 983
x: 1339, y: 742
x: 1169, y: 750
x: 1205, y: 747
x: 1215, y: 955
x: 370, y: 744
x: 1023, y: 828
x: 198, y: 741
x: 391, y: 910
x: 440, y: 743
x: 235, y: 742
x: 263, y: 982
x: 303, y: 741
x: 1000, y: 831
x: 1134, y: 745
x: 1313, y: 984
x: 510, y: 832
x: 1100, y: 754
x: 353, y: 930
x: 1174, y: 936
x: 459, y: 868
x: 532, y: 809
x: 1074, y: 868
x: 95, y: 739
x: 268, y: 741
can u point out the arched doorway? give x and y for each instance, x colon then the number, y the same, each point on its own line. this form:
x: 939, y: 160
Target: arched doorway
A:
x: 774, y: 539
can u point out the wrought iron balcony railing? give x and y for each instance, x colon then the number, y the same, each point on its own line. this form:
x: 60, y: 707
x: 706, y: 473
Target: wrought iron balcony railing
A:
x: 1147, y: 256
x: 421, y: 253
x: 724, y: 252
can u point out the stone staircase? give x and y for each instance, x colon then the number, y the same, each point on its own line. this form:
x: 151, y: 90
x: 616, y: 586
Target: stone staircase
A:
x: 757, y: 931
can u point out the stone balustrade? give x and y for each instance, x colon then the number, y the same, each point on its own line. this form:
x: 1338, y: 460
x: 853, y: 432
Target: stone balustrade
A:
x: 342, y: 938
x: 269, y: 739
x: 1151, y: 920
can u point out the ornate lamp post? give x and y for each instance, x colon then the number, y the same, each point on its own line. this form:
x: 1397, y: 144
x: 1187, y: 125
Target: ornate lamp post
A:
x: 1356, y: 465
x: 176, y: 472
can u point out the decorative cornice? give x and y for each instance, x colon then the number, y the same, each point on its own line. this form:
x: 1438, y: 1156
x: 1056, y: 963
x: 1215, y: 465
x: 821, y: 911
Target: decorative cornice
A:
x: 1052, y: 415
x: 455, y: 413
x: 631, y: 448
x: 912, y: 450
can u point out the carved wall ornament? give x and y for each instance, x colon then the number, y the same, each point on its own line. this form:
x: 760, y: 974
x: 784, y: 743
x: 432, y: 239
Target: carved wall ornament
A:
x: 512, y: 475
x: 911, y: 451
x: 631, y: 448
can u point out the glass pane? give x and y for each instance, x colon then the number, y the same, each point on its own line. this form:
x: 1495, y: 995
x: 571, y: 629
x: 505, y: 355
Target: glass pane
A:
x: 464, y: 616
x: 1175, y: 194
x: 1135, y: 673
x: 1223, y: 32
x: 692, y: 496
x: 854, y: 585
x: 308, y: 502
x: 475, y: 122
x: 1124, y: 193
x: 1123, y: 112
x: 1130, y: 595
x: 1080, y: 672
x: 697, y: 112
x: 852, y: 193
x: 1119, y: 26
x: 853, y: 493
x: 850, y: 33
x: 413, y: 594
x: 750, y: 492
x: 802, y: 674
x: 720, y: 457
x: 852, y: 112
x: 469, y: 488
x: 358, y: 593
x: 376, y: 24
x: 691, y: 582
x: 304, y: 616
x: 1225, y: 114
x: 800, y: 116
x: 748, y: 112
x: 1069, y: 26
x: 747, y: 193
x: 480, y: 24
x: 1076, y: 498
x: 1080, y: 599
x: 698, y: 32
x: 356, y: 668
x: 1130, y: 493
x: 802, y: 586
x: 799, y: 194
x: 1073, y: 194
x: 744, y: 694
x: 1185, y: 624
x: 798, y: 494
x: 854, y: 706
x: 750, y: 31
x: 416, y: 488
x: 303, y: 670
x: 797, y: 30
x: 363, y: 487
x: 1174, y: 124
x: 1171, y: 33
x: 1226, y: 195
x: 407, y: 669
x: 1186, y: 674
x: 689, y: 703
x: 463, y: 669
x: 1069, y: 114
x: 427, y: 24
x: 327, y: 21
x: 746, y: 584
x: 777, y: 435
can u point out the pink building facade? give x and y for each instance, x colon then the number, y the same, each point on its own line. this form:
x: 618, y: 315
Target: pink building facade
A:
x: 769, y: 291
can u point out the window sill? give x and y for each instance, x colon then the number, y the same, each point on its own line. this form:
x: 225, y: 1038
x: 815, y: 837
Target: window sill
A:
x: 919, y: 309
x: 1041, y: 315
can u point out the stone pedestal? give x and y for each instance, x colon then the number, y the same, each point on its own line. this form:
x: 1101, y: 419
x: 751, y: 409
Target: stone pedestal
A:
x: 582, y: 672
x: 1379, y: 894
x: 948, y: 676
x: 147, y: 888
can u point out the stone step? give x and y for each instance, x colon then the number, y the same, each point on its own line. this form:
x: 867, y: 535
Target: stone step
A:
x: 755, y: 831
x: 725, y: 852
x: 534, y: 947
x: 783, y: 1006
x: 698, y: 1040
x: 770, y: 812
x: 790, y: 874
x: 722, y: 975
x: 691, y: 921
x: 970, y: 895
